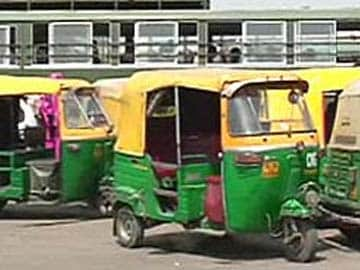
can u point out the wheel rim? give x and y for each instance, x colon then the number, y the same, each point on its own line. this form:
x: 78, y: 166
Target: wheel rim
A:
x: 126, y: 227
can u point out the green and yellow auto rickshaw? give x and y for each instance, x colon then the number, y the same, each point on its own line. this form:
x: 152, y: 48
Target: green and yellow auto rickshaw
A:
x: 227, y: 150
x: 339, y: 175
x: 55, y: 141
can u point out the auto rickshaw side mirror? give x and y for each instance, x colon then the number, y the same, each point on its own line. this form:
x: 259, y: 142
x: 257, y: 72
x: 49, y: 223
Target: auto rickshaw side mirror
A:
x: 294, y: 97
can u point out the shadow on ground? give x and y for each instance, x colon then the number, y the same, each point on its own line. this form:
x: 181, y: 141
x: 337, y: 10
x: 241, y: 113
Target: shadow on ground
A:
x: 38, y: 211
x: 228, y: 248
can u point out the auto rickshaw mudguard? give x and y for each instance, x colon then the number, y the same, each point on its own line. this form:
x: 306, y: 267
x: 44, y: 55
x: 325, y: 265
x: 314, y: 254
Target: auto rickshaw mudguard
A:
x: 295, y: 208
x: 298, y: 206
x: 127, y: 196
x: 132, y: 198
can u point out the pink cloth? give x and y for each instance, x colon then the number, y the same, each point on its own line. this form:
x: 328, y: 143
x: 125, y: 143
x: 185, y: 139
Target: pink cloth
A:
x: 49, y: 111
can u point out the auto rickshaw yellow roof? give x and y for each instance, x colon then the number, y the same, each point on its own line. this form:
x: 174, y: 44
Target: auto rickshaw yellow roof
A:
x: 200, y: 78
x: 17, y: 85
x: 325, y: 80
x: 131, y: 124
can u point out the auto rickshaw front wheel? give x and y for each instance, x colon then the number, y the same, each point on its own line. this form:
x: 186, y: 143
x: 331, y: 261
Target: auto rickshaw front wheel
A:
x: 129, y: 229
x: 300, y: 239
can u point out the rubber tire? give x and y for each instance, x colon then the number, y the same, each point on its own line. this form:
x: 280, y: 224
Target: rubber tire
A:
x: 126, y: 217
x: 353, y: 235
x: 310, y: 239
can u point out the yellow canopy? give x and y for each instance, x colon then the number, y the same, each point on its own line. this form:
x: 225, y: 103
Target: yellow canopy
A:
x: 16, y: 85
x: 323, y: 80
x: 201, y: 78
x: 131, y: 124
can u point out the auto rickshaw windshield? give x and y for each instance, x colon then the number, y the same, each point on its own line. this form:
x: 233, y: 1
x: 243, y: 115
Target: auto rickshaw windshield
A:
x: 83, y: 110
x: 256, y: 110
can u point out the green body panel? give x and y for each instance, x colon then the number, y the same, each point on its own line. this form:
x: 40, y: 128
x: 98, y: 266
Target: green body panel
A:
x: 13, y: 167
x: 254, y: 202
x: 135, y: 182
x: 340, y: 179
x: 192, y: 183
x: 83, y: 169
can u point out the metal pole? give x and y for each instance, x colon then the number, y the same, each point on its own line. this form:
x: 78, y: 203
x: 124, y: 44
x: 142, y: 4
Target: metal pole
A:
x: 203, y: 42
x: 177, y: 128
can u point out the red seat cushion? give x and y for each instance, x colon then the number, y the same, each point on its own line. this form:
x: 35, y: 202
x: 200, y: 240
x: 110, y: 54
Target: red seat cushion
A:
x: 163, y: 169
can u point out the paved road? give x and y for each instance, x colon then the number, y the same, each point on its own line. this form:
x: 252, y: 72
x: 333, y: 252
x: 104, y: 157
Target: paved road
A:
x: 64, y: 238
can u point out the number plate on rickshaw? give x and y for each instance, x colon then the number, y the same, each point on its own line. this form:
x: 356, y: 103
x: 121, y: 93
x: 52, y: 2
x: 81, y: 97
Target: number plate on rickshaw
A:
x: 271, y: 168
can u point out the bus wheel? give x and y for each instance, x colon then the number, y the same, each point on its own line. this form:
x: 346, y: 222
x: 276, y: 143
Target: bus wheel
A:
x: 129, y: 228
x: 352, y: 234
x: 300, y: 239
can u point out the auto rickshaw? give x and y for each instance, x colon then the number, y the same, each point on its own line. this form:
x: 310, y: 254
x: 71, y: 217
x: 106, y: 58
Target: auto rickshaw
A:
x: 55, y: 141
x: 325, y: 86
x: 221, y: 149
x: 339, y: 176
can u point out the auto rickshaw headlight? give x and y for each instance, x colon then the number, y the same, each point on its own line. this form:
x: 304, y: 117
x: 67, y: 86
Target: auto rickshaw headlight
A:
x: 312, y: 198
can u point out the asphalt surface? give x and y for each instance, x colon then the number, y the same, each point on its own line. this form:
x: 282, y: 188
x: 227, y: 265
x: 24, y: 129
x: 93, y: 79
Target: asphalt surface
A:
x: 64, y: 238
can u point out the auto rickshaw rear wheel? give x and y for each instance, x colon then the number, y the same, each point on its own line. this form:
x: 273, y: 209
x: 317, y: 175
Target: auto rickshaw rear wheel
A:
x: 300, y: 239
x: 129, y: 228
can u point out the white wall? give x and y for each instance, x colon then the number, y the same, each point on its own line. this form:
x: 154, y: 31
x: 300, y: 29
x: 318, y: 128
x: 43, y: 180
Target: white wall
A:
x: 282, y: 4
